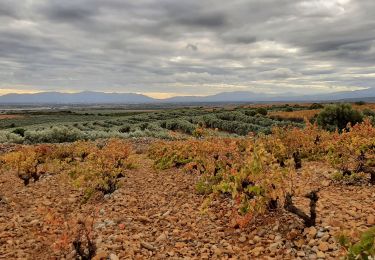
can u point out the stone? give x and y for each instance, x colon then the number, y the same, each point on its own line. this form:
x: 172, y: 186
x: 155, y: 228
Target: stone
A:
x: 323, y: 246
x: 34, y: 222
x: 121, y: 226
x: 101, y: 255
x: 99, y: 225
x: 371, y: 220
x: 293, y: 234
x: 242, y: 239
x: 325, y: 238
x: 148, y: 246
x: 218, y: 251
x: 166, y: 214
x: 275, y: 228
x: 301, y: 254
x: 109, y: 223
x: 320, y: 254
x: 258, y: 250
x: 312, y: 242
x: 161, y: 237
x: 257, y: 239
x: 261, y: 232
x: 113, y: 257
x: 312, y: 232
x: 99, y: 240
x: 299, y: 243
x: 144, y: 219
x: 274, y: 246
x: 180, y: 245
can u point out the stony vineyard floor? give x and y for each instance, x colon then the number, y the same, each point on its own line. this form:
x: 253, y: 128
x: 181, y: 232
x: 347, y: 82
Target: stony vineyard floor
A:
x: 157, y: 215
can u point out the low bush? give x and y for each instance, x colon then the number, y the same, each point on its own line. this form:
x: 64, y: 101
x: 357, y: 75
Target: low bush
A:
x: 360, y: 103
x: 19, y: 131
x: 316, y: 106
x: 125, y: 129
x: 8, y: 137
x: 368, y: 112
x: 262, y: 111
x: 28, y: 162
x: 363, y: 249
x: 338, y: 116
x: 54, y: 135
x: 236, y: 168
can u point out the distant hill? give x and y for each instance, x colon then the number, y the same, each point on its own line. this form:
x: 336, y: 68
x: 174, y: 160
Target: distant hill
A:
x: 86, y: 97
x: 237, y: 96
x: 247, y: 96
x: 90, y: 97
x: 337, y: 96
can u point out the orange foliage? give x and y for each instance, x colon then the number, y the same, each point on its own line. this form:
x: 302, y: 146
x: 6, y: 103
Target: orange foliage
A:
x: 298, y: 114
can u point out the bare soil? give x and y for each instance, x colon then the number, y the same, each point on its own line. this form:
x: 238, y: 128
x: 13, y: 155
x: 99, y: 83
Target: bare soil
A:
x: 157, y: 215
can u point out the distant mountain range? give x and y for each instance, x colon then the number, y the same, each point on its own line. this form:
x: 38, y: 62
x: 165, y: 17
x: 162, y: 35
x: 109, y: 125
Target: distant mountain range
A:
x: 90, y: 97
x: 86, y: 97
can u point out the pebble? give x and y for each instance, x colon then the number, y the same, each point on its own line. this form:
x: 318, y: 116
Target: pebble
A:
x: 371, y: 220
x: 113, y: 257
x: 323, y: 246
x: 101, y: 255
x: 242, y: 239
x: 174, y: 228
x: 274, y: 246
x: 278, y: 238
x: 320, y: 234
x: 258, y: 250
x: 148, y: 246
x: 161, y: 237
x: 257, y: 239
x: 312, y: 242
x: 312, y: 232
x: 320, y: 254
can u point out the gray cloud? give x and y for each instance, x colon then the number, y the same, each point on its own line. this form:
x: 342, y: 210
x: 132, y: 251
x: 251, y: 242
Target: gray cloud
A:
x: 187, y: 47
x: 191, y: 47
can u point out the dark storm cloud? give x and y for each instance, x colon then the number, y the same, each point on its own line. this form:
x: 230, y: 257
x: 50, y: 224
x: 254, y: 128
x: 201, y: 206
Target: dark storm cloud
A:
x: 191, y: 47
x: 244, y: 39
x: 8, y: 9
x: 203, y: 20
x: 71, y: 12
x: 187, y: 47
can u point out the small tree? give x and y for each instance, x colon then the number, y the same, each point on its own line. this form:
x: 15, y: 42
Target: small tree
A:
x: 262, y: 111
x: 316, y: 106
x: 360, y: 103
x: 338, y: 116
x: 19, y: 131
x: 368, y: 112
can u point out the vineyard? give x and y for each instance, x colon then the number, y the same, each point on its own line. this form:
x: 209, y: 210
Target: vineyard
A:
x: 220, y: 184
x: 73, y: 125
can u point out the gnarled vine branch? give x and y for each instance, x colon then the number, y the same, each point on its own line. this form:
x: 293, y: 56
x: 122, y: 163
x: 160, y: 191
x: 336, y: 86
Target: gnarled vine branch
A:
x: 309, y: 221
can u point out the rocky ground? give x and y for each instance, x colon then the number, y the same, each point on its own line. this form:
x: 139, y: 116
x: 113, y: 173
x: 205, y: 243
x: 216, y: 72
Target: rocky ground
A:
x: 157, y: 215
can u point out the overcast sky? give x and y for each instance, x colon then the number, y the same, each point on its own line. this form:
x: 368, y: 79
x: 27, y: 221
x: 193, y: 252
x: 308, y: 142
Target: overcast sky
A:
x: 192, y: 47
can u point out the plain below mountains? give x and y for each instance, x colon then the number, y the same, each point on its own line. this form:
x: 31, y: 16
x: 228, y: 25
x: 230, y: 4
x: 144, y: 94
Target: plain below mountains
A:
x: 90, y: 97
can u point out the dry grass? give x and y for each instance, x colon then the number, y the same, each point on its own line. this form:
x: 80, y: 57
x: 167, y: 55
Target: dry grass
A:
x: 10, y: 116
x: 300, y: 114
x: 362, y: 107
